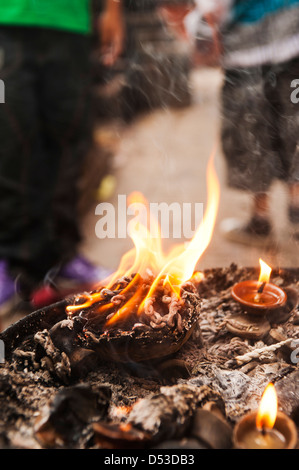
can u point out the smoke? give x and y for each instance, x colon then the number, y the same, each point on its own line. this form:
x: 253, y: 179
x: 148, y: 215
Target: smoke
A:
x: 195, y: 22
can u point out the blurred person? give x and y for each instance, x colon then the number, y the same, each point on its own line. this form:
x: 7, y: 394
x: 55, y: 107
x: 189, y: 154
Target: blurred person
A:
x: 174, y: 15
x: 46, y: 131
x: 258, y: 47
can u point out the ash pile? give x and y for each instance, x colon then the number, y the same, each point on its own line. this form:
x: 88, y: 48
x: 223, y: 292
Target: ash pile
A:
x: 190, y: 399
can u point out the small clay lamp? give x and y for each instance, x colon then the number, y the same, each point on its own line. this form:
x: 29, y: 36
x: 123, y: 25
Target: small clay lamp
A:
x: 266, y: 428
x: 263, y: 304
x: 259, y: 297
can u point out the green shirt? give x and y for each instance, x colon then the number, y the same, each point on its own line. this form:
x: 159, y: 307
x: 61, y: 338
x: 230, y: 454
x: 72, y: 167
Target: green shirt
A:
x: 69, y: 15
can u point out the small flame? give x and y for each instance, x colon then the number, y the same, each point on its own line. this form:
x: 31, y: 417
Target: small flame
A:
x: 265, y: 272
x: 267, y: 412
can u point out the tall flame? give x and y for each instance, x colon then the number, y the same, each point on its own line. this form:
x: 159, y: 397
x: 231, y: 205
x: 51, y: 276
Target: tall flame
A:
x: 181, y: 262
x: 147, y: 256
x: 267, y: 412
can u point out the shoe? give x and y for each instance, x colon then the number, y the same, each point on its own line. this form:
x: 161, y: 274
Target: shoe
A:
x: 82, y: 271
x: 257, y: 232
x: 7, y: 288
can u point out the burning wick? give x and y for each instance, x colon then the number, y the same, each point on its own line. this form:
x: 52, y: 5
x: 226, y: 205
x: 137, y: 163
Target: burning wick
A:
x: 265, y: 273
x: 261, y: 289
x: 267, y: 428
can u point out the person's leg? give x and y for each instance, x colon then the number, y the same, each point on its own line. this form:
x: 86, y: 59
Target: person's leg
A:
x: 260, y: 217
x: 252, y: 164
x: 64, y: 89
x: 22, y: 229
x: 287, y: 118
x: 67, y: 116
x: 294, y: 203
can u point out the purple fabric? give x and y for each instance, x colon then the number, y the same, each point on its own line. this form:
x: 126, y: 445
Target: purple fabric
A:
x: 81, y: 270
x: 7, y: 285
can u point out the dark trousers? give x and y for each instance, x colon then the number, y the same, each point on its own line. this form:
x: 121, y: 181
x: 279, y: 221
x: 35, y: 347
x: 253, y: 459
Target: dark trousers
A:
x: 45, y: 132
x: 260, y: 126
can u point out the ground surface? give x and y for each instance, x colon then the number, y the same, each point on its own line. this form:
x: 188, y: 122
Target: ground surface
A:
x: 164, y: 155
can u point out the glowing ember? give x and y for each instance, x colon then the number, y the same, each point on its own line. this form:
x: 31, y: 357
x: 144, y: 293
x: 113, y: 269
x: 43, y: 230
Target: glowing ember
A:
x: 120, y: 411
x: 146, y: 271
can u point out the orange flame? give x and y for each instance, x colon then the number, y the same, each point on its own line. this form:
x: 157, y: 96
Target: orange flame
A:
x: 265, y: 272
x: 147, y: 256
x: 182, y: 261
x: 267, y: 412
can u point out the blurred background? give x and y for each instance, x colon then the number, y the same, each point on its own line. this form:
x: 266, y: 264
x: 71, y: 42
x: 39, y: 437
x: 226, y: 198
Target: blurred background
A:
x: 158, y: 121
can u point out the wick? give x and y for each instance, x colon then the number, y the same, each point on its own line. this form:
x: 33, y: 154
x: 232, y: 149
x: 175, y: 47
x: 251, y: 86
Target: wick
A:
x: 259, y: 292
x: 261, y: 288
x: 263, y: 431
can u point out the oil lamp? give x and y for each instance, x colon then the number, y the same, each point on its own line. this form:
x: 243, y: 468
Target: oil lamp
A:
x: 259, y: 297
x: 266, y: 428
x: 263, y: 304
